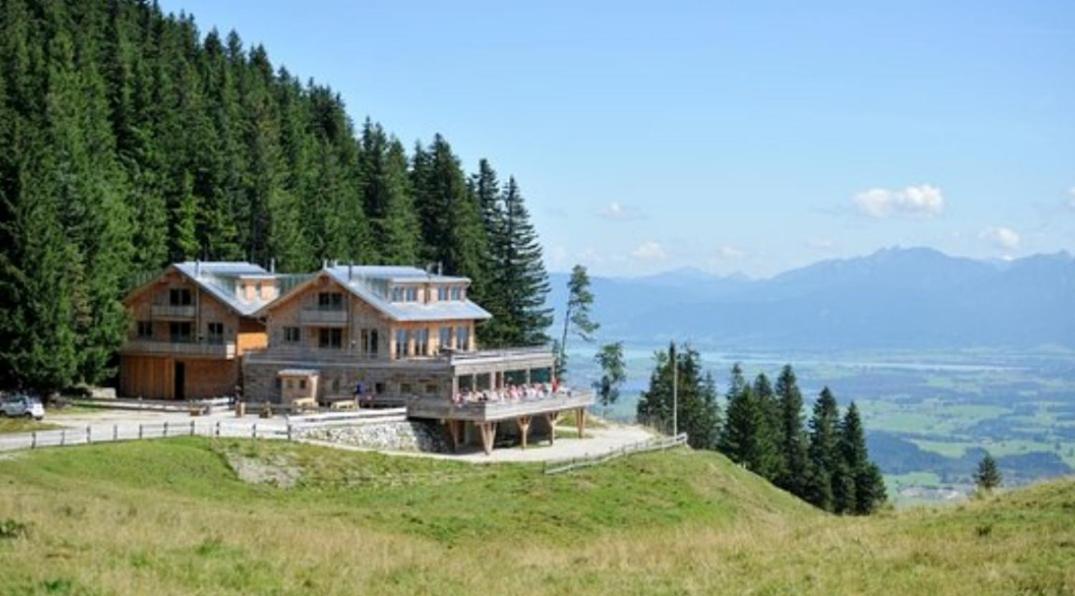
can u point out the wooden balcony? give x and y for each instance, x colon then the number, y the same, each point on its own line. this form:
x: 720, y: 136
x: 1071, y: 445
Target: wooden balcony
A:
x: 441, y: 408
x: 149, y: 347
x: 323, y: 317
x: 166, y: 312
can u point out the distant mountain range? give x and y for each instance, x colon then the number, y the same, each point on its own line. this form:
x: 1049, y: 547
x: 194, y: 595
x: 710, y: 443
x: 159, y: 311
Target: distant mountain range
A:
x: 894, y: 298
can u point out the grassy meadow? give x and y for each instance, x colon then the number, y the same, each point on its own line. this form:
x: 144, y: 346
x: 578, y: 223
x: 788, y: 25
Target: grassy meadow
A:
x: 175, y: 517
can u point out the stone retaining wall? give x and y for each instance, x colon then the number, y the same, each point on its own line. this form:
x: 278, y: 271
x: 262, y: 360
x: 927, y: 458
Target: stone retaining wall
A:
x: 385, y: 436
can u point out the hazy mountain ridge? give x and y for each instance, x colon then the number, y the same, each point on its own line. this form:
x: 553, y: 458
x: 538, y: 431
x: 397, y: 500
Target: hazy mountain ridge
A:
x: 893, y: 298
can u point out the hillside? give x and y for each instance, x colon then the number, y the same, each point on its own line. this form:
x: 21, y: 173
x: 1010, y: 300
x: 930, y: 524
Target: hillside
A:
x: 172, y: 517
x: 894, y: 298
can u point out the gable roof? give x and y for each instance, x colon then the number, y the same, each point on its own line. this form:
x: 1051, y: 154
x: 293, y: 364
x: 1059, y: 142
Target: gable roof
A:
x: 219, y: 279
x: 371, y: 284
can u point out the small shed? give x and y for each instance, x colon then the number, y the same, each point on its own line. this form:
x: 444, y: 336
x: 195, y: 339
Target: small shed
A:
x: 298, y: 386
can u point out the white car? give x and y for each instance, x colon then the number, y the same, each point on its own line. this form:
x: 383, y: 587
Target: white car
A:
x: 22, y: 405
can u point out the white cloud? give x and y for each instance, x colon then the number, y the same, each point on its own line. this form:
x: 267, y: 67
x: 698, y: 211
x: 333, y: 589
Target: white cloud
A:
x: 914, y: 201
x: 617, y: 211
x: 649, y: 251
x: 730, y: 253
x: 821, y: 243
x: 1001, y: 237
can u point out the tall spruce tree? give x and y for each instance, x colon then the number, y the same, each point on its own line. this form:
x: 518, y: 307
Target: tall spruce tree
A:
x: 867, y: 490
x: 696, y: 399
x: 520, y: 277
x: 484, y: 187
x: 747, y: 438
x: 452, y: 233
x: 823, y: 450
x: 795, y: 465
x: 91, y: 191
x: 386, y: 198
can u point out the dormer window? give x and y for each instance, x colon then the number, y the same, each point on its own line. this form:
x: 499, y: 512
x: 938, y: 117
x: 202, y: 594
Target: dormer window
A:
x: 442, y: 293
x: 404, y: 294
x: 457, y: 293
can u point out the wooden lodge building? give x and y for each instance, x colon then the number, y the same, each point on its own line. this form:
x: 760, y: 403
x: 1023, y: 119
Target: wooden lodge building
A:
x: 190, y: 328
x: 381, y: 335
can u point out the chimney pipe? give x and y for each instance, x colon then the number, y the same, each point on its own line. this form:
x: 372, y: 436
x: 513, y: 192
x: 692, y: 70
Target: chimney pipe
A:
x: 440, y: 268
x: 272, y: 265
x: 350, y: 271
x: 197, y: 268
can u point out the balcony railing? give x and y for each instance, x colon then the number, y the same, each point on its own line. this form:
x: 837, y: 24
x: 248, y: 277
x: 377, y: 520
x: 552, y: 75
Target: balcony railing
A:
x: 171, y: 311
x: 323, y: 317
x: 206, y: 349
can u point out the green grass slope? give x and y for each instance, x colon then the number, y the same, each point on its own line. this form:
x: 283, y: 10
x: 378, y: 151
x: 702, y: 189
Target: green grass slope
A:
x: 173, y: 517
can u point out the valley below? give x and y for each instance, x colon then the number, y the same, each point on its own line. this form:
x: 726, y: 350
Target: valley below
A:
x: 930, y: 415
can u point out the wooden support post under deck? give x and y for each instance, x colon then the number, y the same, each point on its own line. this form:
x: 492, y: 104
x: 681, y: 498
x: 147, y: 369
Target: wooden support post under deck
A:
x: 524, y: 428
x: 488, y: 433
x: 580, y: 420
x: 552, y: 417
x: 453, y: 432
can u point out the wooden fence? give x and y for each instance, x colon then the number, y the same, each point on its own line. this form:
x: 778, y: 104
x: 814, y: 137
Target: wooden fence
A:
x: 654, y: 444
x: 101, y: 433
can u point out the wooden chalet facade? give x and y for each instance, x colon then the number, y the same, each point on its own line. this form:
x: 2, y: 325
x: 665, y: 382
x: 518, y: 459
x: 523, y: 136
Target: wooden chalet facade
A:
x: 190, y: 327
x: 367, y: 335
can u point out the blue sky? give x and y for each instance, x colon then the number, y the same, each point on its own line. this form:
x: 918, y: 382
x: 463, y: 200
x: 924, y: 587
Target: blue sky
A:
x: 732, y: 137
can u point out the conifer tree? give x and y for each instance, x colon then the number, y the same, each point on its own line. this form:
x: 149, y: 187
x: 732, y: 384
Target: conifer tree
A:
x: 987, y: 477
x: 520, y: 277
x: 794, y: 468
x: 823, y: 452
x: 452, y: 234
x: 613, y: 373
x: 400, y: 234
x: 387, y: 198
x: 747, y: 437
x: 576, y: 314
x: 698, y: 410
x: 37, y: 335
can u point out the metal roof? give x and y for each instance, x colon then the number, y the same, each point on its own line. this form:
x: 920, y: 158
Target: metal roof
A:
x: 371, y: 285
x: 219, y: 279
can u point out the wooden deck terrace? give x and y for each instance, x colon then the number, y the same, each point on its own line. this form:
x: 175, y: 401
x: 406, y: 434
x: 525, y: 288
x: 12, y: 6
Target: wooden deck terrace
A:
x: 485, y: 415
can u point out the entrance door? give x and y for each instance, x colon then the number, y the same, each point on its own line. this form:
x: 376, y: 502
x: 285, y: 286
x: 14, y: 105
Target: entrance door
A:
x: 180, y: 380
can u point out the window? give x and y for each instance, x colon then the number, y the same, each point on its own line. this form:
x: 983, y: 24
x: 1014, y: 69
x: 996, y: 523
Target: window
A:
x: 302, y: 383
x: 180, y: 331
x: 145, y: 329
x: 462, y: 338
x: 412, y: 295
x: 378, y: 388
x: 179, y: 297
x: 404, y: 388
x: 216, y: 332
x: 401, y: 342
x: 442, y: 293
x: 288, y: 384
x: 457, y: 293
x: 445, y: 338
x: 421, y: 342
x: 397, y: 294
x: 330, y: 338
x: 374, y: 343
x: 330, y: 301
x: 278, y: 383
x: 292, y: 335
x: 336, y: 384
x: 431, y: 389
